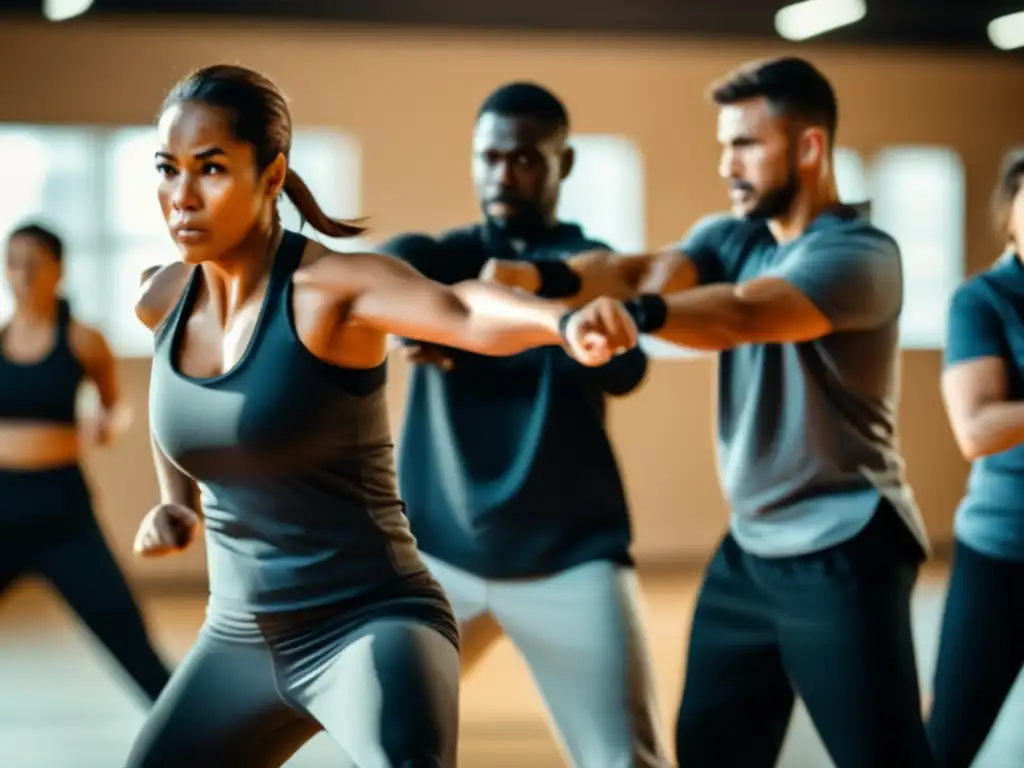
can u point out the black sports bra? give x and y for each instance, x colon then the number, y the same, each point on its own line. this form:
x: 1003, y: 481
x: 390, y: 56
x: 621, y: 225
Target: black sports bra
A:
x: 46, y: 390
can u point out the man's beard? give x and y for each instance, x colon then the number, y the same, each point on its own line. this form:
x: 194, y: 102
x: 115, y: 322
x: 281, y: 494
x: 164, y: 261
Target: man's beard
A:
x: 777, y: 202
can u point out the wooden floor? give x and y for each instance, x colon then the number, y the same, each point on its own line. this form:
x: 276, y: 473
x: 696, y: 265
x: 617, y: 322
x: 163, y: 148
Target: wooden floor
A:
x: 63, y: 706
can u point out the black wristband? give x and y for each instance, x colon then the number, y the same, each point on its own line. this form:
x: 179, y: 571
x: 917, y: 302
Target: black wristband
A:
x: 649, y: 312
x: 557, y: 279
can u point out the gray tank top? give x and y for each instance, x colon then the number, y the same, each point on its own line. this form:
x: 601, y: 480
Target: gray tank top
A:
x: 294, y: 459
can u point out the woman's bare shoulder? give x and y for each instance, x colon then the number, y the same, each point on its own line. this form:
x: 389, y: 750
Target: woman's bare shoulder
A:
x: 323, y: 268
x: 161, y: 289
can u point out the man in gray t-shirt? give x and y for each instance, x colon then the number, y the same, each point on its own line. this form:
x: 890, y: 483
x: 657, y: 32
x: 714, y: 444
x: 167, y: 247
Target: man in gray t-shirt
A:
x: 810, y: 591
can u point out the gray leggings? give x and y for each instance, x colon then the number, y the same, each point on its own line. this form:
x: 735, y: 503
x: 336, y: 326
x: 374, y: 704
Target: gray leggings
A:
x: 255, y: 688
x: 579, y: 633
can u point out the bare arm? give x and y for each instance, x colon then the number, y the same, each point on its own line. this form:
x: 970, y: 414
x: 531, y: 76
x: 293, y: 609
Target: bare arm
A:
x: 161, y: 288
x: 175, y: 486
x: 588, y: 275
x: 696, y: 260
x: 982, y: 419
x: 974, y: 383
x: 765, y: 310
x: 92, y: 350
x: 94, y: 353
x: 838, y: 280
x: 394, y: 298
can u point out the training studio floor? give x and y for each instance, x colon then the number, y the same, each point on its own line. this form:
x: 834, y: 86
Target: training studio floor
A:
x: 61, y: 706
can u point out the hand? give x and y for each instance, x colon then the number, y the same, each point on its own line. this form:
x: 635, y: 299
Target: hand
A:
x: 104, y: 427
x: 417, y: 353
x: 600, y: 330
x: 95, y: 430
x: 165, y: 530
x: 511, y: 274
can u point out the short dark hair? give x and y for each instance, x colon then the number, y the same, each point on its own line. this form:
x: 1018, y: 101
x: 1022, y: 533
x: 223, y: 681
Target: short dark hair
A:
x: 525, y: 99
x: 1011, y: 176
x: 44, y: 236
x: 792, y: 86
x: 259, y: 116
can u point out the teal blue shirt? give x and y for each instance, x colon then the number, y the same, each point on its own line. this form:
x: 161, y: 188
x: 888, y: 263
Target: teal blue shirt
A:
x: 986, y: 319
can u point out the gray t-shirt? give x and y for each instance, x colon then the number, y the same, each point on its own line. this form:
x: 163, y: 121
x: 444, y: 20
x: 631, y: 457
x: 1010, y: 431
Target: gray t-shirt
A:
x: 806, y: 432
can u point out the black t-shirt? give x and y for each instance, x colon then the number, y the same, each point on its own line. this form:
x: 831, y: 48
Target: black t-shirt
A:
x: 504, y: 462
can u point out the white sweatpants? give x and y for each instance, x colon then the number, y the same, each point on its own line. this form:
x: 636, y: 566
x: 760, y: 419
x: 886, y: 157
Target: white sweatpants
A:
x: 580, y: 634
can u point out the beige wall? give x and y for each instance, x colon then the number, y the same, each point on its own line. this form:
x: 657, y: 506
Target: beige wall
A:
x: 410, y: 99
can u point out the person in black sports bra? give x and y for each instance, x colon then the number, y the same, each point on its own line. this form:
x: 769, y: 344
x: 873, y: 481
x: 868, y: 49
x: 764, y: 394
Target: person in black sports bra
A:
x: 267, y: 390
x: 47, y: 526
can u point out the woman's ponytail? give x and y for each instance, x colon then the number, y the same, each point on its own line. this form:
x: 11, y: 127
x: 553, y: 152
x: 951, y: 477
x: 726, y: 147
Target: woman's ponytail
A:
x: 302, y: 198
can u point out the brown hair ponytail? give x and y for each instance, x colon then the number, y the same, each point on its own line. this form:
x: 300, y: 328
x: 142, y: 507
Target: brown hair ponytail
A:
x: 261, y: 118
x: 309, y: 209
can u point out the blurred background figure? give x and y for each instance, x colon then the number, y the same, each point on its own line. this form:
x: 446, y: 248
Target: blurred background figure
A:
x: 47, y: 525
x: 982, y: 641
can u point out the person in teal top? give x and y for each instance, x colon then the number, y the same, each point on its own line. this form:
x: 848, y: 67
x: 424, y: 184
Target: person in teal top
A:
x: 982, y: 639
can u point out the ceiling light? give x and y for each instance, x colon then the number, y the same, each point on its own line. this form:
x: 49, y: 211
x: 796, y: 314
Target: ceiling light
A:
x: 62, y: 10
x: 1007, y: 32
x: 810, y: 18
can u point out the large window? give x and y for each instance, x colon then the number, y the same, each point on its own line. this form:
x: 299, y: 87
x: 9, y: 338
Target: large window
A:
x: 330, y: 164
x: 917, y: 195
x: 605, y: 195
x: 605, y: 191
x: 851, y: 176
x: 98, y: 188
x: 919, y: 200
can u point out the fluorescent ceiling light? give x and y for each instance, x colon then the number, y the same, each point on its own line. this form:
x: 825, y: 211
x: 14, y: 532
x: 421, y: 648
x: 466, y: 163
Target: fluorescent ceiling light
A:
x: 62, y: 10
x: 810, y: 18
x: 1007, y: 32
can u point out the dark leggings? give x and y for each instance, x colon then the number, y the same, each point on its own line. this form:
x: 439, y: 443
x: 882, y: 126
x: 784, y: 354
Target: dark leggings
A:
x: 381, y: 679
x: 832, y: 627
x: 980, y: 653
x: 47, y: 528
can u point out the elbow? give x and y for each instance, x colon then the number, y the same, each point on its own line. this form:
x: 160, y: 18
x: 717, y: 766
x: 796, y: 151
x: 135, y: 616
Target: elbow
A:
x: 972, y: 448
x: 973, y: 442
x: 971, y: 451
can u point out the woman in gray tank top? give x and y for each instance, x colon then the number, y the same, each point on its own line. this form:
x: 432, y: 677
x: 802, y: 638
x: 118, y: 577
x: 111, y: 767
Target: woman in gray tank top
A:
x: 267, y: 390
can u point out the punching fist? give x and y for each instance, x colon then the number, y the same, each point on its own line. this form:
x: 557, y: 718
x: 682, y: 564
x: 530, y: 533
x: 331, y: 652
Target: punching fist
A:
x: 166, y: 529
x: 598, y: 331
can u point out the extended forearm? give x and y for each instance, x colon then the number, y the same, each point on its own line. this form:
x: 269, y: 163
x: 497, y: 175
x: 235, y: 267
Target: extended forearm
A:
x: 708, y: 318
x: 499, y: 322
x: 175, y: 486
x: 993, y: 428
x: 589, y: 275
